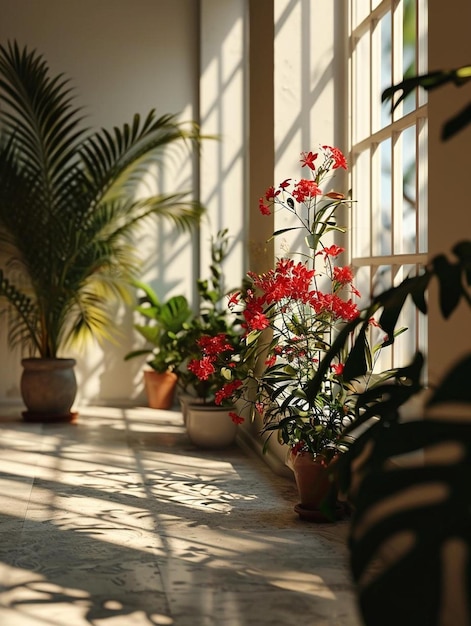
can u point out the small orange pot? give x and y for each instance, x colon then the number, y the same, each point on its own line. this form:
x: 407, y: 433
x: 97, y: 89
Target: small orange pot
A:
x: 160, y: 388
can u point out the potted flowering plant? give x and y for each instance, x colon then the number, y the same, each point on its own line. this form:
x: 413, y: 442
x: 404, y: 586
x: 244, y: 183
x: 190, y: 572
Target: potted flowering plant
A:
x: 291, y: 316
x: 210, y: 341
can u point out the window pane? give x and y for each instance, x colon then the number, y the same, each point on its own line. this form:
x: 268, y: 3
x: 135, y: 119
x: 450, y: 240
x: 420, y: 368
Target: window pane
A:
x: 361, y: 207
x: 382, y: 215
x: 361, y: 88
x: 409, y: 60
x: 405, y: 243
x: 382, y: 45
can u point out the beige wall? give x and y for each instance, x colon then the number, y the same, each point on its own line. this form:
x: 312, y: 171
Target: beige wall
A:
x: 297, y: 103
x: 123, y: 56
x: 449, y: 219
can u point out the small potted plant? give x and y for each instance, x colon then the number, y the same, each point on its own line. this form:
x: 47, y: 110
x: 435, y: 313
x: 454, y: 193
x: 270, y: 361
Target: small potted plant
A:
x: 212, y: 336
x: 165, y: 325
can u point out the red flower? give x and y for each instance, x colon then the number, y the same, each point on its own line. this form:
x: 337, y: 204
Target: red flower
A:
x: 271, y: 360
x: 285, y: 183
x: 213, y: 346
x: 237, y: 419
x: 345, y: 310
x: 264, y: 208
x: 202, y: 368
x: 227, y: 390
x: 271, y: 194
x: 337, y: 156
x: 307, y: 159
x: 355, y: 291
x: 306, y: 189
x: 234, y: 299
x: 255, y: 317
x: 343, y: 275
x: 332, y: 251
x: 338, y: 368
x: 260, y: 408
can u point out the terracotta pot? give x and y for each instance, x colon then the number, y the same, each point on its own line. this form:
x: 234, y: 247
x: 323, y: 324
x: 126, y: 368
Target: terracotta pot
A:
x: 318, y: 500
x: 210, y: 426
x: 48, y: 389
x: 160, y: 388
x: 312, y: 479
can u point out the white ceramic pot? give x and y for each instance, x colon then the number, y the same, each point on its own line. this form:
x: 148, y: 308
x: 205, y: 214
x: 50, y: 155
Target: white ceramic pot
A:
x: 210, y: 426
x: 185, y: 400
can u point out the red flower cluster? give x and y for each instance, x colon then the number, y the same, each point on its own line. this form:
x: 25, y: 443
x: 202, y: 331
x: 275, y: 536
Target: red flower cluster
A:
x: 227, y: 390
x: 211, y: 347
x: 338, y: 159
x: 217, y: 353
x: 343, y: 275
x: 291, y: 283
x: 306, y: 190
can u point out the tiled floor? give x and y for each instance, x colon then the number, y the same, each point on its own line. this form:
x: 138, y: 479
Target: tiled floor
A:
x: 118, y: 520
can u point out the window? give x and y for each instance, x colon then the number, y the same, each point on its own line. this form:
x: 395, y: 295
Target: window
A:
x: 388, y: 155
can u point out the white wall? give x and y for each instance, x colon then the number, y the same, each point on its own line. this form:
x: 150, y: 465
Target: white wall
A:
x: 308, y: 101
x: 123, y: 56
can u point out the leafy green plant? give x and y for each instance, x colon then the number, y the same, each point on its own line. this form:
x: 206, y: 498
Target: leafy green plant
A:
x: 166, y: 323
x: 68, y: 205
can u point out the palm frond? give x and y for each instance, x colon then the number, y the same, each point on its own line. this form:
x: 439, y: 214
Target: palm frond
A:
x: 68, y: 207
x: 25, y: 310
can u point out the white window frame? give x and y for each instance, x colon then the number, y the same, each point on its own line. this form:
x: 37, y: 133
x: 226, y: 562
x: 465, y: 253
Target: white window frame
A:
x: 368, y: 135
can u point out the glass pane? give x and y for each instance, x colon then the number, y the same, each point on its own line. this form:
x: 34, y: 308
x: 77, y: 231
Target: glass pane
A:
x: 422, y: 184
x: 382, y: 46
x: 406, y: 241
x: 361, y: 213
x: 382, y: 215
x: 409, y: 59
x: 361, y: 89
x: 363, y: 283
x: 381, y: 279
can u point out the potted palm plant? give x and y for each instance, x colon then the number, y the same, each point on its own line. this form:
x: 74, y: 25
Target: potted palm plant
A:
x: 166, y: 324
x: 68, y: 210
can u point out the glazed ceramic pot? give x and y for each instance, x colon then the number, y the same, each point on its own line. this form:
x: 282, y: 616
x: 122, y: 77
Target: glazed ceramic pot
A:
x: 48, y: 389
x: 210, y: 426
